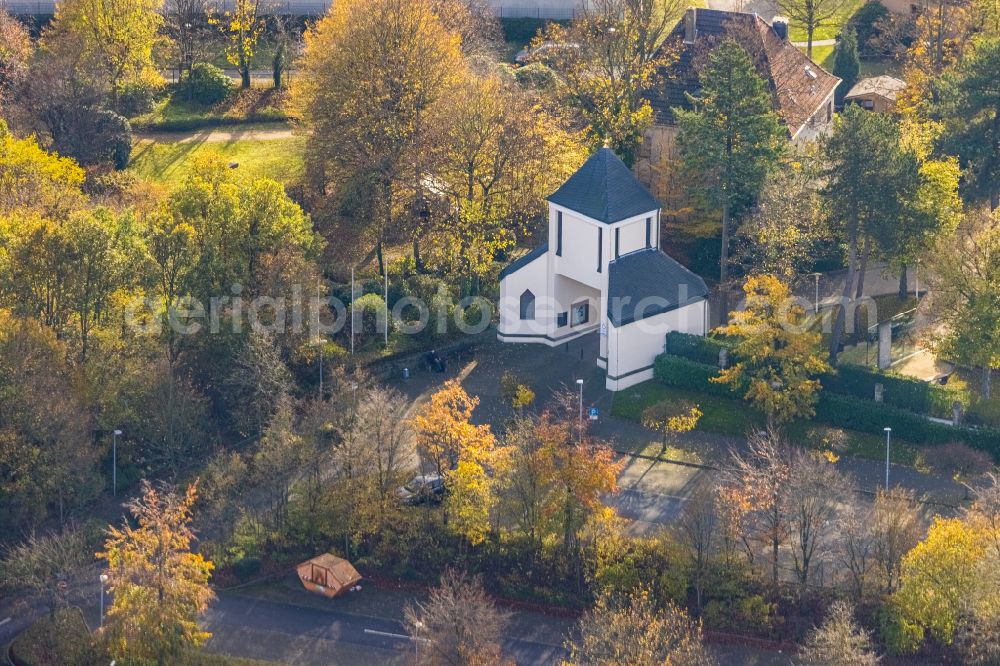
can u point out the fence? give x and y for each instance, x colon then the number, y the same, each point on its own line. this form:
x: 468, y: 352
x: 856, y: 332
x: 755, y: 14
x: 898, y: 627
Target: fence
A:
x: 556, y: 10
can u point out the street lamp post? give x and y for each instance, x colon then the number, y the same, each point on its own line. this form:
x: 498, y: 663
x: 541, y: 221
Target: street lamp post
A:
x: 579, y: 383
x: 816, y: 306
x: 888, y: 436
x: 114, y: 463
x: 419, y: 626
x: 104, y: 581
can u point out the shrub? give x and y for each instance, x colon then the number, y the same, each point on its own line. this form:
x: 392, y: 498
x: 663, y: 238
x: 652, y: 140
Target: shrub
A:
x: 536, y: 76
x: 750, y: 614
x: 112, y: 139
x: 58, y: 638
x: 695, y: 347
x: 137, y: 98
x: 370, y: 313
x: 838, y: 410
x: 956, y: 459
x: 208, y: 84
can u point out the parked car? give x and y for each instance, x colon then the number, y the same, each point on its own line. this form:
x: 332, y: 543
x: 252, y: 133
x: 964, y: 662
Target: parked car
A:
x: 423, y: 488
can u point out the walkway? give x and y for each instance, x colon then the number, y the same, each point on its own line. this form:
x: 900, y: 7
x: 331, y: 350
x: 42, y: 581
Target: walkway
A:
x: 222, y: 134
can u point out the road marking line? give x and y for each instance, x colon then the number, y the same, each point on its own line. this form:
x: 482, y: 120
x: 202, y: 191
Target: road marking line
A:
x: 4, y: 621
x: 389, y: 635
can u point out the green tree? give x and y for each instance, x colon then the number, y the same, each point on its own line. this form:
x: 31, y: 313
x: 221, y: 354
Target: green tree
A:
x: 46, y: 464
x: 610, y: 57
x: 941, y: 577
x: 788, y: 230
x: 871, y: 179
x: 731, y: 141
x: 159, y: 585
x: 930, y: 211
x: 34, y: 180
x: 776, y: 357
x: 496, y: 157
x: 966, y: 285
x: 972, y: 120
x: 846, y: 63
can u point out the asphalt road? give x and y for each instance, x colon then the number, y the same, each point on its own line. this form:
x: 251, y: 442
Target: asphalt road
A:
x: 309, y: 636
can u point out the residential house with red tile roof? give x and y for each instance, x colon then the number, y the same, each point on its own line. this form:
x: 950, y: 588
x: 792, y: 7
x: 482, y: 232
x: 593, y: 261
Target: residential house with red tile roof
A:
x: 802, y: 90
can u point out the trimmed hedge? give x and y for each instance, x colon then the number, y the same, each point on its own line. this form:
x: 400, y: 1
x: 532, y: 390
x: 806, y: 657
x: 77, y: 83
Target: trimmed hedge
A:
x: 898, y: 391
x: 866, y: 416
x: 853, y: 380
x: 695, y: 347
x: 685, y: 373
x: 843, y: 411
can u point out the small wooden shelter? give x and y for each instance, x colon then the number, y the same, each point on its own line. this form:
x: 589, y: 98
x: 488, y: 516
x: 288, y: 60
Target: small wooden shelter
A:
x: 328, y: 575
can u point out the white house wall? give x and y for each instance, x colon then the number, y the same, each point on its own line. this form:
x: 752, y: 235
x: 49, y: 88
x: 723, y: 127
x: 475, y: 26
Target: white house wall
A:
x: 632, y: 236
x: 532, y: 276
x: 635, y: 346
x: 579, y: 248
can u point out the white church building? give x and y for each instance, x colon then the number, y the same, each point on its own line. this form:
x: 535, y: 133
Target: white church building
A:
x: 602, y: 271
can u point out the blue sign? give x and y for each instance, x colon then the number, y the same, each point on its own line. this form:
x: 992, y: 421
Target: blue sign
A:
x: 594, y: 413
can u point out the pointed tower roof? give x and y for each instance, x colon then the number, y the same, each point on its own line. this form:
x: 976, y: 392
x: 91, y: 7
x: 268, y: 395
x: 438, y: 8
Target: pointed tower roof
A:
x: 604, y: 189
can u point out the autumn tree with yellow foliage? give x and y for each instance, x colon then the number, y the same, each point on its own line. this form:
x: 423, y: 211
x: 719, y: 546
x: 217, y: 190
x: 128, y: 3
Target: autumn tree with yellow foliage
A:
x: 670, y: 420
x: 497, y: 153
x: 777, y: 357
x: 159, y: 585
x: 949, y: 588
x: 370, y: 75
x: 466, y: 456
x: 242, y: 26
x: 608, y: 58
x: 115, y: 37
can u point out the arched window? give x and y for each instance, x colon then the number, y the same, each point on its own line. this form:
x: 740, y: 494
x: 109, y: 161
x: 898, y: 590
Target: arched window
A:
x: 527, y: 305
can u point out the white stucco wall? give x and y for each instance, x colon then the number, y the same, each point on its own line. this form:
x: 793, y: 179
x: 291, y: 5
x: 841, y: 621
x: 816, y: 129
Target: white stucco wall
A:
x: 579, y: 247
x: 634, y: 347
x: 533, y: 277
x: 633, y: 234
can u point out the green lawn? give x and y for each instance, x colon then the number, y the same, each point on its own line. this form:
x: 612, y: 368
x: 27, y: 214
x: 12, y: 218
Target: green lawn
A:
x: 830, y: 29
x: 733, y: 417
x: 823, y: 56
x: 170, y: 162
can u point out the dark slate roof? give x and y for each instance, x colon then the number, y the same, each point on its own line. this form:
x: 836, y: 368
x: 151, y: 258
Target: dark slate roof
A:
x: 653, y: 277
x: 798, y: 85
x: 518, y: 264
x: 605, y: 189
